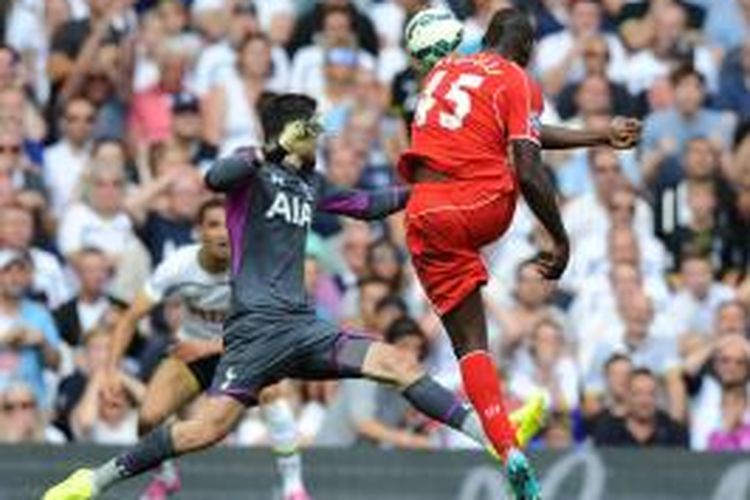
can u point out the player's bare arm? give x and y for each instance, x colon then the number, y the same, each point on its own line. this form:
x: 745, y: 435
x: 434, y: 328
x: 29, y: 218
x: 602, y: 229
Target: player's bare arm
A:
x: 539, y: 193
x: 621, y: 133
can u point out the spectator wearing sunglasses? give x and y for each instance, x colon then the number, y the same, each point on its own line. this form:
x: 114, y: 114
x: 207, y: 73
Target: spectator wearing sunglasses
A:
x: 21, y: 420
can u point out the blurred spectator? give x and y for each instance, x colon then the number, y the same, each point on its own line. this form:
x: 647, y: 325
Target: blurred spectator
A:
x: 336, y: 45
x: 644, y: 424
x: 734, y: 94
x: 595, y: 54
x: 370, y: 291
x: 17, y: 230
x: 89, y: 307
x: 586, y: 215
x: 108, y: 418
x: 230, y: 111
x: 29, y: 341
x: 546, y: 366
x: 667, y: 132
x: 65, y: 160
x: 22, y: 419
x: 667, y: 47
x: 216, y: 58
x: 703, y: 234
x: 164, y: 227
x: 352, y: 245
x: 722, y: 407
x: 90, y: 359
x: 738, y: 240
x: 612, y: 403
x: 364, y: 412
x: 727, y: 23
x: 385, y: 262
x: 312, y: 24
x: 18, y: 176
x: 700, y: 163
x: 560, y: 56
x: 645, y: 348
x: 694, y: 306
x: 531, y: 305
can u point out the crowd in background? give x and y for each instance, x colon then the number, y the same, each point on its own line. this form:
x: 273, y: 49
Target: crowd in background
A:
x: 111, y: 109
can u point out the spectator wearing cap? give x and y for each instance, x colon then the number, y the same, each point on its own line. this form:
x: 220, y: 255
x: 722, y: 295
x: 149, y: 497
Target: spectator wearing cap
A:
x: 644, y: 423
x: 721, y: 409
x: 29, y: 340
x: 231, y: 109
x: 314, y: 22
x: 336, y: 47
x: 65, y: 160
x: 187, y: 131
x: 585, y: 23
x: 17, y: 230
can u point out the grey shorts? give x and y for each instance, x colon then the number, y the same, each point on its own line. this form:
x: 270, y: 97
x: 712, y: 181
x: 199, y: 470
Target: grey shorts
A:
x: 261, y: 350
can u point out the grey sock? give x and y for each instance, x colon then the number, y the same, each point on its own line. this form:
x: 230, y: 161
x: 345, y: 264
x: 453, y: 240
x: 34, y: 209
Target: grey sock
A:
x: 437, y: 402
x: 105, y: 476
x: 149, y: 452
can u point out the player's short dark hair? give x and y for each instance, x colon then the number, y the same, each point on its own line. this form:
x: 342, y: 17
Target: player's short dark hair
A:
x: 510, y: 28
x: 207, y: 206
x: 684, y: 72
x: 276, y: 110
x: 403, y: 328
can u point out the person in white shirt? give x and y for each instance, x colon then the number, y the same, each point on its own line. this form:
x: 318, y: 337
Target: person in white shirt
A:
x: 668, y: 49
x: 694, y: 307
x: 65, y: 160
x: 17, y: 233
x: 216, y: 59
x: 587, y: 215
x: 635, y: 339
x: 545, y: 365
x: 308, y: 64
x: 559, y: 57
x: 230, y: 110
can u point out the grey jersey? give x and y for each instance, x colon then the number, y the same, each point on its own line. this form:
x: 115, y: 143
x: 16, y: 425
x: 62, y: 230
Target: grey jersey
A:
x: 269, y: 211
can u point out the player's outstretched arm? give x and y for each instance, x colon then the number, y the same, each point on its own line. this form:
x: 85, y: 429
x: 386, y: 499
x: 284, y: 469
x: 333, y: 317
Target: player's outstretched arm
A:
x: 622, y: 133
x: 539, y: 193
x: 232, y: 172
x: 360, y: 204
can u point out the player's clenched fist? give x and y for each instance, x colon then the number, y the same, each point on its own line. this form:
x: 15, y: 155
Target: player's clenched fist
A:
x: 624, y: 133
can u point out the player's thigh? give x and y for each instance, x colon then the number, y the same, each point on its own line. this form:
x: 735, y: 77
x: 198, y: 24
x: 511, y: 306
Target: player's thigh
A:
x: 272, y: 393
x: 326, y: 352
x: 172, y: 386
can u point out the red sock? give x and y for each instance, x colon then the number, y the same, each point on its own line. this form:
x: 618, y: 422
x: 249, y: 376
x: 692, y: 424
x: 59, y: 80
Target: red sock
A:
x: 484, y: 390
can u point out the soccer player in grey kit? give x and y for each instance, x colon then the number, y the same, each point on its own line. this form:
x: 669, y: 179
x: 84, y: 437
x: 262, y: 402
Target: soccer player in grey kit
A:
x: 272, y: 331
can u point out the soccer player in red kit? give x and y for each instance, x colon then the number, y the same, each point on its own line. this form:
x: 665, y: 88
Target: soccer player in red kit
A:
x: 475, y: 145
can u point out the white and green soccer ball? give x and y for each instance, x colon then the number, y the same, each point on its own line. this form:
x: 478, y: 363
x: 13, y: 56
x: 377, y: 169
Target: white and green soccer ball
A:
x: 431, y: 35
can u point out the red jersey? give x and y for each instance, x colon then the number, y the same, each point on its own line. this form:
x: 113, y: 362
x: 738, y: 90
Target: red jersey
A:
x: 469, y: 110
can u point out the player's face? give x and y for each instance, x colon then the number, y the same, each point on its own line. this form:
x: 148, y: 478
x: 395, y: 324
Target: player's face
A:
x: 214, y: 234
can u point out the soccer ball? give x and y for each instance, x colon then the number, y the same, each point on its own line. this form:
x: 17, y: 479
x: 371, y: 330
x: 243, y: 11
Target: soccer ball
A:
x: 431, y: 35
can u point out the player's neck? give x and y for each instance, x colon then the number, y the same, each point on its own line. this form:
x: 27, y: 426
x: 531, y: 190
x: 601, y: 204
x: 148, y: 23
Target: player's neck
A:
x: 211, y: 263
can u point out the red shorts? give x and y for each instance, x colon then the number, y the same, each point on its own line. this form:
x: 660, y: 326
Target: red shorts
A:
x: 447, y: 224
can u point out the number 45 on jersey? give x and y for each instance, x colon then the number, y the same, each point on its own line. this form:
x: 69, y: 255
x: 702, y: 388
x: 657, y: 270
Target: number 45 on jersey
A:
x: 455, y: 93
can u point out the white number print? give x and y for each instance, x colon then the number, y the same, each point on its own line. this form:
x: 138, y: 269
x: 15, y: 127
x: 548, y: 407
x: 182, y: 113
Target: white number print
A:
x: 457, y: 94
